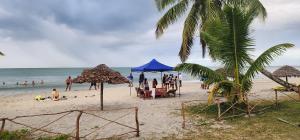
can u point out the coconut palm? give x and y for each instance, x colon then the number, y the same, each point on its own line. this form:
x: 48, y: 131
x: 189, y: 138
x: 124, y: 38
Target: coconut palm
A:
x: 197, y: 11
x: 229, y: 42
x: 200, y: 11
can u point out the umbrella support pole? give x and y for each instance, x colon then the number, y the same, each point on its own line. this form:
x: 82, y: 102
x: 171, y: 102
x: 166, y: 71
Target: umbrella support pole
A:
x: 101, y: 96
x: 276, y: 99
x: 161, y: 78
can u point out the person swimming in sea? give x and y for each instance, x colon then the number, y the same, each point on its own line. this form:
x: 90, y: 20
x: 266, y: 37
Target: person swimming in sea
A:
x: 33, y: 83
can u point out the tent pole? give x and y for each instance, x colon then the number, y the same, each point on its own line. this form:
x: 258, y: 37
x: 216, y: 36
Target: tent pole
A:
x: 101, y: 96
x: 161, y: 79
x: 178, y: 82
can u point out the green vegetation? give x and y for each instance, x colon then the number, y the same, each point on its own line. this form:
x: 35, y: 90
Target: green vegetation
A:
x: 198, y: 15
x: 229, y: 41
x: 198, y: 12
x: 24, y: 134
x: 261, y: 126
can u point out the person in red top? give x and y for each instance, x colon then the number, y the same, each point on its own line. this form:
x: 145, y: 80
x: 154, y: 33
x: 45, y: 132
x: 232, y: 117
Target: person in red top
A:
x: 69, y: 83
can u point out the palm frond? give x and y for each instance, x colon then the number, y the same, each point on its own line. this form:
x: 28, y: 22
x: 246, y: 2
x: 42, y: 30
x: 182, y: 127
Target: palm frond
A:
x: 210, y: 9
x: 212, y: 35
x: 226, y: 88
x: 246, y: 84
x: 190, y: 26
x: 171, y: 16
x: 196, y: 70
x: 254, y: 7
x: 265, y: 59
x: 162, y: 4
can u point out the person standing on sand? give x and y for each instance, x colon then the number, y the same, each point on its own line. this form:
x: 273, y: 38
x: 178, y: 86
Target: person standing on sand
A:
x: 176, y: 82
x: 130, y: 78
x: 93, y: 83
x: 154, y: 84
x: 180, y: 79
x: 141, y: 79
x: 33, y: 83
x: 69, y: 83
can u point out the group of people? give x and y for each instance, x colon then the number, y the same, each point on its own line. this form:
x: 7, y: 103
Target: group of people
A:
x: 25, y: 83
x: 143, y: 82
x: 169, y: 81
x: 69, y: 83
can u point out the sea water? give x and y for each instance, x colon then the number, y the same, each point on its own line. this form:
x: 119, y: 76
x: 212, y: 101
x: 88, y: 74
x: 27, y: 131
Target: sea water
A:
x: 55, y: 78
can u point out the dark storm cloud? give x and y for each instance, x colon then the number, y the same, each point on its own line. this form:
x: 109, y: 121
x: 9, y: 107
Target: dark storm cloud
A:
x: 89, y: 16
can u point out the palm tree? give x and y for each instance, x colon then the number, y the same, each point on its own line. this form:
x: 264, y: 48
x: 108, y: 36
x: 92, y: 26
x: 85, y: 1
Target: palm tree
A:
x: 229, y: 42
x: 200, y: 11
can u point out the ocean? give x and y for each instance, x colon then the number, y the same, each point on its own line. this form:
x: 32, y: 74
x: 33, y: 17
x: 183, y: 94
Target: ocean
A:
x: 55, y: 78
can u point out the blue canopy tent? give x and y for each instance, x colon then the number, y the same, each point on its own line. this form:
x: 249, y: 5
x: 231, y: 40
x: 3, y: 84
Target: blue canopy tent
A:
x: 153, y: 66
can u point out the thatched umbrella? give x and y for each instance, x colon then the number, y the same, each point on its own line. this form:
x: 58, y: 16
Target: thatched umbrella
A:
x: 101, y: 74
x: 286, y: 71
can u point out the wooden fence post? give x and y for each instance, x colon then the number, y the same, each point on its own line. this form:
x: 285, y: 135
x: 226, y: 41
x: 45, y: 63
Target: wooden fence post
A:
x: 299, y: 91
x: 248, y: 106
x: 77, y: 125
x: 2, y: 125
x: 276, y: 98
x: 219, y: 109
x: 137, y: 122
x: 183, y: 115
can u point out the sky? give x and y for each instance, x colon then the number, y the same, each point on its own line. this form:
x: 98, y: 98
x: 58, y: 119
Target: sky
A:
x: 119, y: 33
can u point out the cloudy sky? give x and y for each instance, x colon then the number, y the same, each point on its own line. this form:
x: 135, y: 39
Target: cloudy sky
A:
x: 80, y: 33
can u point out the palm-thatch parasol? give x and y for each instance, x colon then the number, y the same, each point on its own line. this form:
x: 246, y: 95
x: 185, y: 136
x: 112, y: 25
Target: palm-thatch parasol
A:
x: 101, y: 74
x: 286, y: 71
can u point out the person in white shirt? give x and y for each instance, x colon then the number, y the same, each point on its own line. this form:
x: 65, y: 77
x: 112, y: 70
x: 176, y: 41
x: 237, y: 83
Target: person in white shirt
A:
x: 180, y: 79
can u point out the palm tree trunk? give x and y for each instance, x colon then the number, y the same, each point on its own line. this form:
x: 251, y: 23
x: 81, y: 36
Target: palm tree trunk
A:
x: 279, y: 81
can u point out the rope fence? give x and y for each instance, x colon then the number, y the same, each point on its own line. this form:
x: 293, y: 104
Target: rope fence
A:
x: 250, y: 106
x: 78, y: 123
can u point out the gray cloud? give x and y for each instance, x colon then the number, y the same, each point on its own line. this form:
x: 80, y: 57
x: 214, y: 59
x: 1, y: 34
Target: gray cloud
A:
x: 63, y: 33
x: 92, y: 16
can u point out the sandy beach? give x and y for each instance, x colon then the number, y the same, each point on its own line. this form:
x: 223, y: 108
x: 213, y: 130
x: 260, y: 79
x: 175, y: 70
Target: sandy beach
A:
x: 158, y: 117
